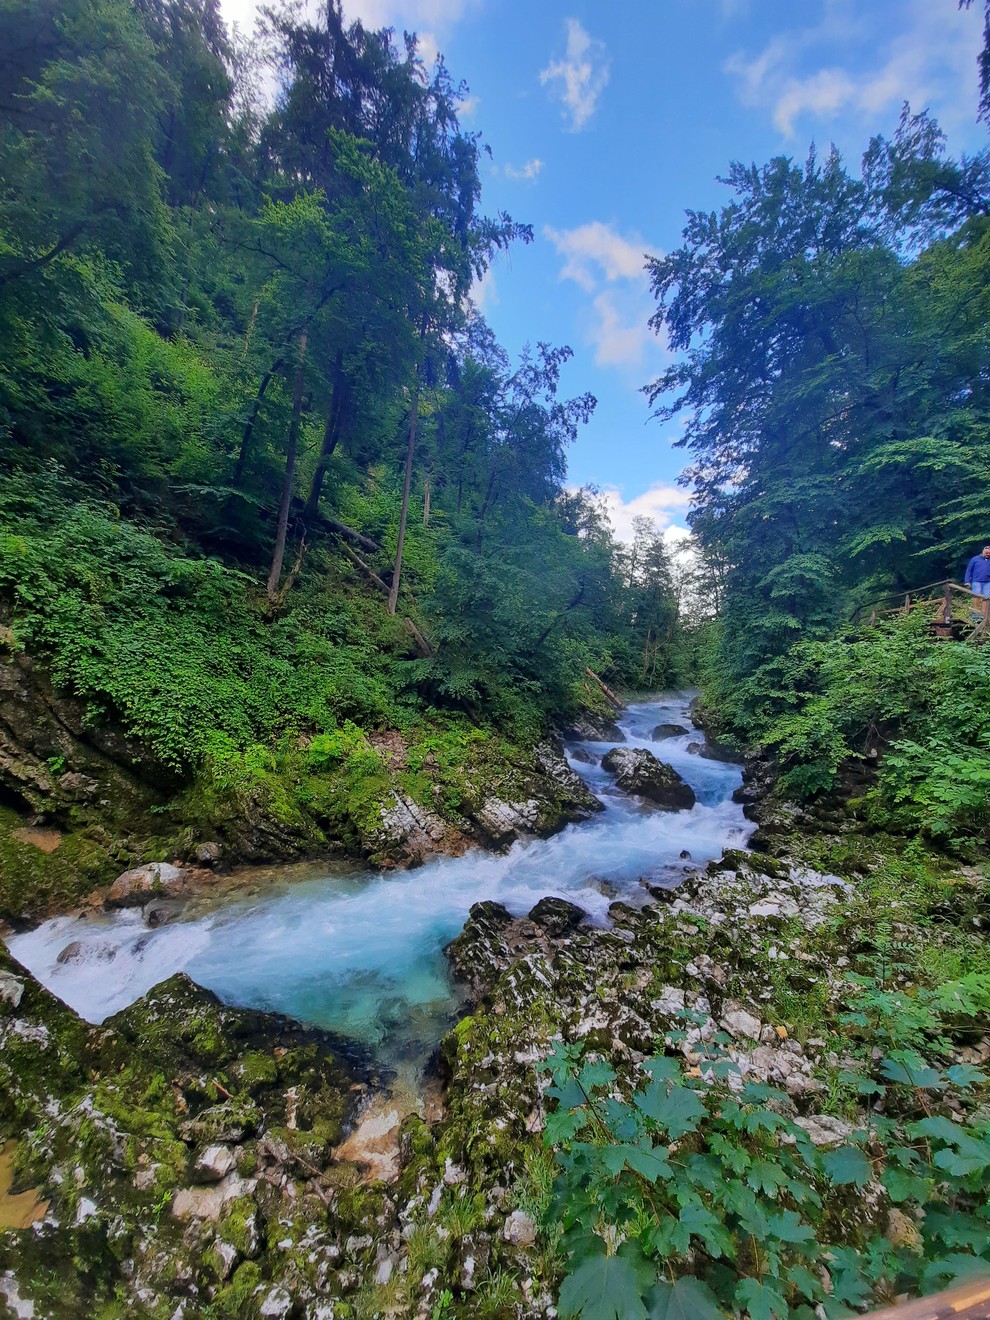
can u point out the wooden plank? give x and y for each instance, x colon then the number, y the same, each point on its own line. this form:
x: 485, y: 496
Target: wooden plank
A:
x: 970, y: 1301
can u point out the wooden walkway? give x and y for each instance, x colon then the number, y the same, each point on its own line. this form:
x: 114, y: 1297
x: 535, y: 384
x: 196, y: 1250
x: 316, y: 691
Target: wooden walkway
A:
x: 969, y: 1301
x: 953, y: 612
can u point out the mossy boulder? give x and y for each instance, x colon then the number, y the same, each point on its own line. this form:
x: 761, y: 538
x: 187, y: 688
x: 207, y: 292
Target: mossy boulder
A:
x: 638, y: 771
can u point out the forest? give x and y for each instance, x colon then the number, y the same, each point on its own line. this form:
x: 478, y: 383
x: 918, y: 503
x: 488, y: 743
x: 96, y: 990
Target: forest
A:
x: 288, y: 549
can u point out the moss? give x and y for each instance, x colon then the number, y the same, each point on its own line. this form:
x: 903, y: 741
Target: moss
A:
x: 237, y: 1299
x: 255, y: 1069
x: 33, y: 882
x: 239, y: 1227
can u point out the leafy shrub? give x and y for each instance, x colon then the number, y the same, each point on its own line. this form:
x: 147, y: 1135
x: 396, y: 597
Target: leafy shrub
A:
x: 697, y: 1196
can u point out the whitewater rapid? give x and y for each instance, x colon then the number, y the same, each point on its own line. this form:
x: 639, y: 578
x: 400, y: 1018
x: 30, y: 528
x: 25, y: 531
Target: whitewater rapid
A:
x: 359, y: 951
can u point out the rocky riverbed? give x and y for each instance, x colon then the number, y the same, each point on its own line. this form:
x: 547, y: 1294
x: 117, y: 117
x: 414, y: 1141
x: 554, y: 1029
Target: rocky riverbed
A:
x: 193, y: 1160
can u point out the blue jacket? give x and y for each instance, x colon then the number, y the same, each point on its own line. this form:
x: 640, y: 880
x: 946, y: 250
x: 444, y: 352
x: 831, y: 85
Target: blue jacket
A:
x: 977, y: 570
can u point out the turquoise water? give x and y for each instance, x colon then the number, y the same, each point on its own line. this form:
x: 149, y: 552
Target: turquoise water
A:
x: 359, y: 951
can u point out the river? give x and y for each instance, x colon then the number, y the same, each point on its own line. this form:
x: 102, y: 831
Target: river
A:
x: 359, y: 951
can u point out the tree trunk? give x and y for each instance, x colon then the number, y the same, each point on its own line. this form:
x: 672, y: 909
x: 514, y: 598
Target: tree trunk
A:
x: 397, y: 571
x: 426, y: 503
x: 248, y: 431
x: 331, y: 434
x: 278, y: 554
x: 488, y: 500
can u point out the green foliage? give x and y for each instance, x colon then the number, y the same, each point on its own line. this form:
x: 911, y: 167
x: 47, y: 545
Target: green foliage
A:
x: 887, y: 691
x: 721, y: 1202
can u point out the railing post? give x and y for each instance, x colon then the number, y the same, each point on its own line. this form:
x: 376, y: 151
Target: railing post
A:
x: 907, y: 601
x: 947, y: 604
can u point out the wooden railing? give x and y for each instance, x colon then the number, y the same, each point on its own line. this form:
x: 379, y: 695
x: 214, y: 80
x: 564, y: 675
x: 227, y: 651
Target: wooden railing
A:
x: 955, y: 613
x: 970, y: 1301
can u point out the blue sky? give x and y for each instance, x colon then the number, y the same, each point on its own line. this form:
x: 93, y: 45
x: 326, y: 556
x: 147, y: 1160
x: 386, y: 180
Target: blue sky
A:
x: 606, y: 123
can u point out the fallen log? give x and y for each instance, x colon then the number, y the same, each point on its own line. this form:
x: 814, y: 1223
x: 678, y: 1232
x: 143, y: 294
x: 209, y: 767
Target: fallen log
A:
x: 349, y: 534
x: 423, y: 646
x: 607, y: 690
x: 355, y: 558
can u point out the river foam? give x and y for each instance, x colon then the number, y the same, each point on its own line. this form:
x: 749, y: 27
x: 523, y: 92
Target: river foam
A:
x: 359, y: 951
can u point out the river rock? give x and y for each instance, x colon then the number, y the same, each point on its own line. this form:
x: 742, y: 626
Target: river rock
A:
x: 582, y: 755
x: 520, y: 1229
x: 594, y: 728
x: 480, y: 953
x: 11, y: 990
x: 214, y: 1164
x: 504, y: 822
x: 557, y: 916
x: 668, y: 731
x: 134, y: 888
x: 208, y: 854
x: 409, y: 834
x: 638, y: 771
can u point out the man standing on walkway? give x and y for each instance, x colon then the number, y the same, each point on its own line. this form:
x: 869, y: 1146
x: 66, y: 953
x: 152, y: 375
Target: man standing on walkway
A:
x: 978, y: 573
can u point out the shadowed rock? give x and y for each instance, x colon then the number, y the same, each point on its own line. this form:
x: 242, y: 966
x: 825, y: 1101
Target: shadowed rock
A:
x: 557, y: 916
x: 639, y: 772
x: 668, y: 731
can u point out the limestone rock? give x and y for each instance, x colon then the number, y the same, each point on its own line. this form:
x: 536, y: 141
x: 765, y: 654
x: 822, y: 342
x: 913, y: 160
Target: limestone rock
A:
x: 824, y: 1130
x: 668, y: 731
x: 208, y: 854
x: 639, y: 772
x: 739, y: 1023
x: 520, y: 1229
x: 134, y: 888
x: 11, y: 990
x: 557, y: 916
x: 214, y: 1164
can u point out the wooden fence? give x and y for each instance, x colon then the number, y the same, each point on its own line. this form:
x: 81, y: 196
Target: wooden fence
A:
x: 969, y: 1301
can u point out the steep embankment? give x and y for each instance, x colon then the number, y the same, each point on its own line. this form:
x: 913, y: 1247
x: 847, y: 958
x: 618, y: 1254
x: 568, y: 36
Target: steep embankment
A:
x: 82, y: 801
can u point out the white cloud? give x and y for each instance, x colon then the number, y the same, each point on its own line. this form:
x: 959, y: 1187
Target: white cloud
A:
x: 411, y: 15
x: 610, y: 268
x: 662, y: 504
x: 530, y: 170
x: 929, y: 61
x: 596, y: 249
x: 484, y: 293
x: 579, y: 79
x: 467, y: 107
x: 620, y: 340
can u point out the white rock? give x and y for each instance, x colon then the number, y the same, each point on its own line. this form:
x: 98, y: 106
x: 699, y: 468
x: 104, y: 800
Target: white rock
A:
x: 277, y: 1305
x: 824, y: 1130
x: 229, y: 1257
x: 670, y: 1001
x: 214, y: 1163
x: 208, y: 1202
x: 11, y: 990
x: 740, y: 1023
x: 520, y: 1229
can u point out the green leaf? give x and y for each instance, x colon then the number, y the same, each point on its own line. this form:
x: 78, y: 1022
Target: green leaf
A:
x: 902, y: 1185
x: 598, y: 1073
x: 760, y: 1300
x: 805, y: 1282
x: 603, y: 1288
x: 678, y: 1112
x: 643, y: 1158
x: 911, y: 1069
x: 847, y: 1165
x: 663, y: 1069
x: 767, y: 1176
x: 964, y: 1074
x: 564, y: 1124
x: 684, y: 1299
x: 957, y: 1265
x: 789, y: 1227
